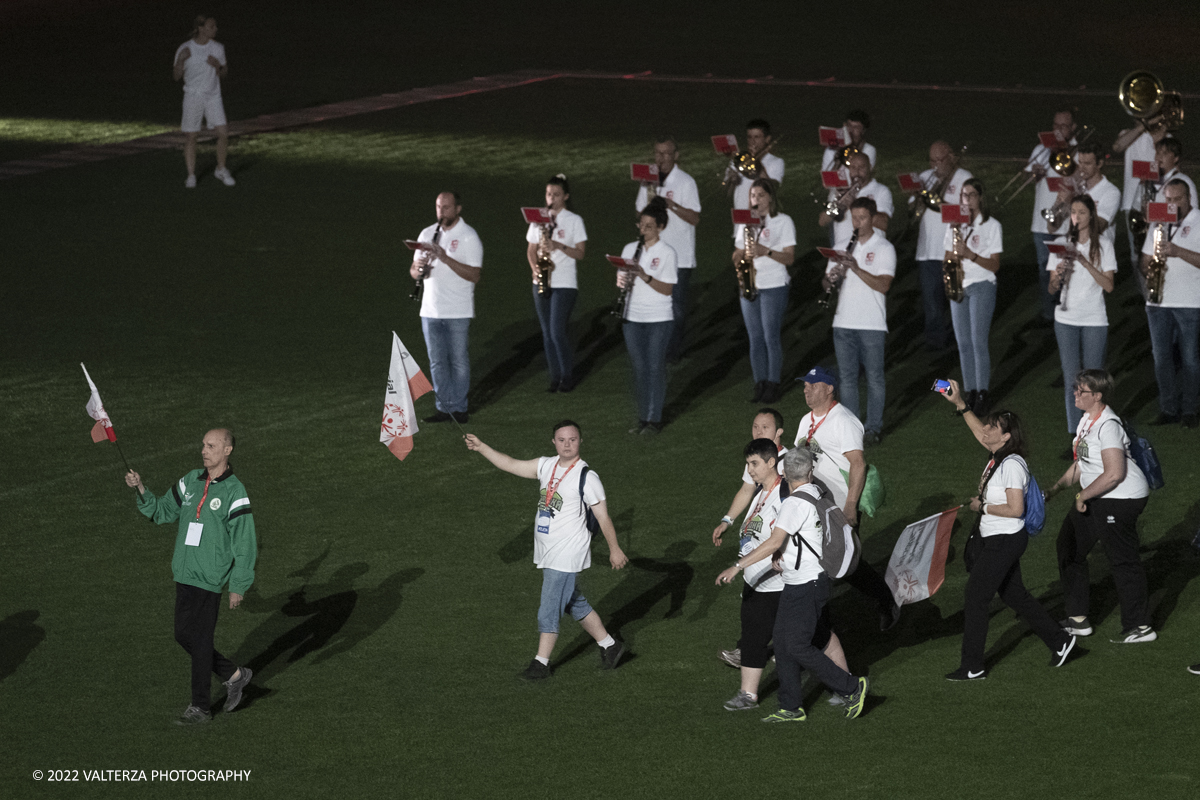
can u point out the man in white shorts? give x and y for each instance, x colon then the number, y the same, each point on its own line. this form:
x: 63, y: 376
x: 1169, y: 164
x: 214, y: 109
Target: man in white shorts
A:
x: 200, y: 62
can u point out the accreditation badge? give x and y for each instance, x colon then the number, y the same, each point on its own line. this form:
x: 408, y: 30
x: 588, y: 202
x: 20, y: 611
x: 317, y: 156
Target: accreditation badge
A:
x: 543, y: 521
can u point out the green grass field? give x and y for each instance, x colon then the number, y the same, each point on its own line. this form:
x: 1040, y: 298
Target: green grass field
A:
x: 395, y: 602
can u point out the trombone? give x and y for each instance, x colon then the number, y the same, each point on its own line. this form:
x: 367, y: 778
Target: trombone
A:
x: 1062, y: 161
x: 1143, y: 97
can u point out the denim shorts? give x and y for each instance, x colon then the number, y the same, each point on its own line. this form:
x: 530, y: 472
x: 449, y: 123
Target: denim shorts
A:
x: 559, y: 596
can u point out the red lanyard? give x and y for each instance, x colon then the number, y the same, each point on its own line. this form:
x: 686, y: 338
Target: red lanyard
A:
x: 986, y: 474
x: 766, y: 494
x: 552, y: 486
x: 203, y: 497
x: 1078, y: 439
x: 812, y: 428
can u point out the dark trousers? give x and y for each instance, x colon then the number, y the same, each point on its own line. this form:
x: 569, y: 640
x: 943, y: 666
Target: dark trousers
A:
x: 679, y: 298
x: 195, y: 624
x: 759, y: 610
x: 1113, y: 523
x: 800, y: 610
x: 869, y: 582
x: 996, y: 569
x: 934, y: 303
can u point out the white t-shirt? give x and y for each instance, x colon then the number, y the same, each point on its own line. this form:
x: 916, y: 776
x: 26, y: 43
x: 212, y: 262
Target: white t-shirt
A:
x: 777, y: 233
x: 681, y: 188
x: 1012, y: 473
x: 837, y: 433
x: 563, y: 542
x: 1181, y: 284
x: 883, y: 202
x: 645, y: 303
x: 199, y: 76
x: 772, y: 165
x: 800, y: 516
x: 1142, y: 149
x: 932, y: 234
x: 1107, y: 198
x: 448, y: 296
x: 1160, y: 196
x: 1043, y: 198
x: 1084, y: 297
x: 569, y: 231
x: 859, y: 306
x: 1107, y: 433
x: 760, y: 521
x: 984, y: 238
x: 831, y: 153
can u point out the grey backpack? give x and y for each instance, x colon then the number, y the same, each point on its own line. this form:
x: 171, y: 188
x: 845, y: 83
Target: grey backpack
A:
x: 840, y: 547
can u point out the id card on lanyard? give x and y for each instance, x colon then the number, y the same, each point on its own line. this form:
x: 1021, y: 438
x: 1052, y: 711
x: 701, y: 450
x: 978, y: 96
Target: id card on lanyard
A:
x: 196, y: 528
x: 546, y: 512
x: 747, y: 537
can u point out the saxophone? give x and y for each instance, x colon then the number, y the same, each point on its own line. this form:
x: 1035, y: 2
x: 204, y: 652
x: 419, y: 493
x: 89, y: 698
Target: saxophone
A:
x: 1068, y: 264
x: 545, y: 264
x: 952, y: 268
x: 426, y: 257
x: 620, y: 306
x: 1156, y: 268
x: 746, y: 273
x: 835, y: 280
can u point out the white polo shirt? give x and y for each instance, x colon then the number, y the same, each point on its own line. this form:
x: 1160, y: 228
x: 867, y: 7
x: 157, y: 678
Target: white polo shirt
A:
x: 760, y: 521
x: 984, y: 238
x: 448, y: 296
x: 1181, y: 284
x: 1161, y: 195
x: 1092, y: 438
x: 1084, y: 297
x: 200, y: 77
x: 883, y: 202
x: 1012, y: 473
x: 563, y: 542
x: 1043, y: 198
x: 681, y: 188
x: 568, y: 230
x: 645, y: 303
x: 831, y: 152
x: 775, y: 233
x: 932, y: 234
x: 1142, y: 149
x: 1107, y: 198
x: 798, y: 516
x: 772, y: 165
x: 833, y: 435
x: 859, y: 306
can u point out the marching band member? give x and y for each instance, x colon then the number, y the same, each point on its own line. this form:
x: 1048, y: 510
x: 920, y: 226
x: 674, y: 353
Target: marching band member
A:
x: 860, y: 324
x: 972, y: 316
x: 1089, y: 160
x: 860, y: 171
x: 1175, y: 322
x: 682, y: 196
x: 648, y: 314
x: 855, y: 126
x: 1080, y: 320
x: 774, y: 252
x: 568, y: 241
x: 1167, y: 155
x: 945, y: 177
x: 758, y: 139
x: 1039, y: 165
x: 1138, y: 144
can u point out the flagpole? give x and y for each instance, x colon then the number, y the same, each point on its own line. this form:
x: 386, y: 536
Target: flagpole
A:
x: 452, y: 419
x: 122, y: 452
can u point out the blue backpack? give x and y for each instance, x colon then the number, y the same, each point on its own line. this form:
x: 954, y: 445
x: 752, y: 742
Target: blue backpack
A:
x: 1035, y: 504
x: 1142, y: 453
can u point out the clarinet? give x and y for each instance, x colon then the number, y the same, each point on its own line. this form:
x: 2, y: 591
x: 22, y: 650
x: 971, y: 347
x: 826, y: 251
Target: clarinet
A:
x: 419, y: 285
x: 620, y: 306
x: 827, y: 299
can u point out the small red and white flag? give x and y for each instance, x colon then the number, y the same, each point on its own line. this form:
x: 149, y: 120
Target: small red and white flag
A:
x: 918, y: 564
x: 405, y: 384
x: 103, y: 429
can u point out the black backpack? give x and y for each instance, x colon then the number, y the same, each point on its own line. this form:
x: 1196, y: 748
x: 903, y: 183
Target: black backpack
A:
x: 593, y: 524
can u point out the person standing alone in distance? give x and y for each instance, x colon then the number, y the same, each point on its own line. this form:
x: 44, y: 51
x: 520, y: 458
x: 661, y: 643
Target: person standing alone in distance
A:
x: 200, y: 63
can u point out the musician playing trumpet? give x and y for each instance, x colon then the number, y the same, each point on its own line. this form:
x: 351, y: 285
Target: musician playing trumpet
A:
x: 944, y: 178
x: 773, y: 252
x: 1039, y: 165
x: 862, y: 184
x: 1177, y: 317
x: 1089, y: 160
x: 1081, y: 277
x: 855, y: 128
x: 566, y: 239
x: 758, y: 141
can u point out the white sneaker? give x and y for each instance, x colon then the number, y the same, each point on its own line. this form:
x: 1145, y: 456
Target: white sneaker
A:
x: 224, y: 177
x: 190, y: 183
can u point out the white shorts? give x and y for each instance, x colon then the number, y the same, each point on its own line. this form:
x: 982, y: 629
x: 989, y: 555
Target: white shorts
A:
x: 198, y: 106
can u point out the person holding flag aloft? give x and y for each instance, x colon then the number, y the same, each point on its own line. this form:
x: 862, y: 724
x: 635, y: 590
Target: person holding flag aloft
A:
x: 215, y: 545
x: 571, y: 506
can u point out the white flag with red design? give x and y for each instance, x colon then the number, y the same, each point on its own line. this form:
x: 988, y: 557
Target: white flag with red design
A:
x: 918, y: 564
x: 103, y: 429
x: 405, y: 384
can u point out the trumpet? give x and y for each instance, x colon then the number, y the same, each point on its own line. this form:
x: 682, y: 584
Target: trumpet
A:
x: 952, y: 268
x: 1156, y: 268
x: 545, y: 264
x: 1143, y: 97
x: 426, y: 259
x: 836, y: 278
x: 747, y: 274
x: 620, y: 306
x: 836, y: 208
x: 1068, y: 267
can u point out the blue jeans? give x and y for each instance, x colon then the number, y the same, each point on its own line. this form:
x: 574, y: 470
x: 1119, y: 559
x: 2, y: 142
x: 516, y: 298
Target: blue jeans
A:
x: 854, y: 348
x: 449, y: 367
x: 554, y: 313
x: 679, y: 298
x: 647, y: 345
x: 1040, y: 240
x: 1176, y: 389
x: 933, y: 299
x: 764, y: 320
x: 972, y: 320
x: 1079, y: 347
x: 560, y: 596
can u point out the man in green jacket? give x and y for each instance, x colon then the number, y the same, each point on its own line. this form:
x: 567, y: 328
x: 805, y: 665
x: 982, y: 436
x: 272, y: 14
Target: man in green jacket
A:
x: 214, y: 545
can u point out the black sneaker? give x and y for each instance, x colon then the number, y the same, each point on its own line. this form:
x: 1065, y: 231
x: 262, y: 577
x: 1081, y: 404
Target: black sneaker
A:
x: 1062, y: 653
x: 964, y: 674
x: 536, y: 671
x: 554, y: 386
x: 440, y: 416
x: 1081, y: 628
x: 1194, y: 669
x: 611, y: 656
x: 1165, y: 419
x: 567, y: 385
x: 235, y: 687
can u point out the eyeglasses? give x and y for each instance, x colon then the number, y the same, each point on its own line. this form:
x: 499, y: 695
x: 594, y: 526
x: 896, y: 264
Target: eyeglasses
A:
x: 1077, y: 390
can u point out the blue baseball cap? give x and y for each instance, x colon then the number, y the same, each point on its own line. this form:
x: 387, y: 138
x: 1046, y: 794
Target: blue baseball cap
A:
x: 819, y: 375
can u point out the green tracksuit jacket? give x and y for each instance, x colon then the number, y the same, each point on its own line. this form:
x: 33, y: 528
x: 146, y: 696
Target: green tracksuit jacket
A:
x: 227, y: 546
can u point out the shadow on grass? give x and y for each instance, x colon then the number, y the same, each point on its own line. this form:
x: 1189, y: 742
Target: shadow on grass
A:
x: 511, y: 351
x: 19, y: 636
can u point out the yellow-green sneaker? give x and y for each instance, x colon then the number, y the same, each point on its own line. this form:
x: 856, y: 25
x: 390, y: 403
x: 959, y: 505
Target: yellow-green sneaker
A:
x: 783, y: 715
x: 854, y: 703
